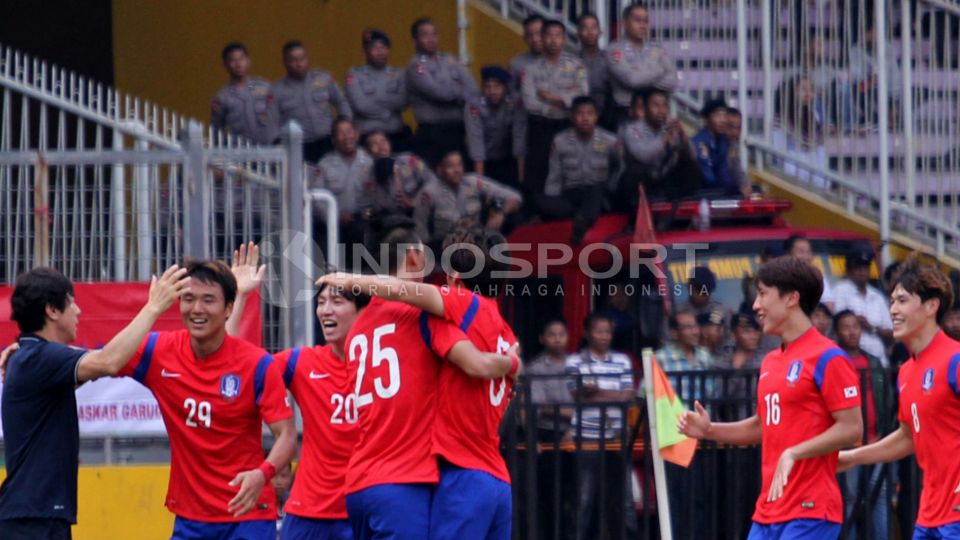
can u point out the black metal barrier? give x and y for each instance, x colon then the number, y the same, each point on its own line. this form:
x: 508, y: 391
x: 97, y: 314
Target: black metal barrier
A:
x: 579, y: 482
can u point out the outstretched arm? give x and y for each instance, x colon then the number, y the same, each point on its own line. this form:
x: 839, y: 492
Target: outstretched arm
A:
x: 894, y: 446
x: 418, y: 295
x: 698, y: 425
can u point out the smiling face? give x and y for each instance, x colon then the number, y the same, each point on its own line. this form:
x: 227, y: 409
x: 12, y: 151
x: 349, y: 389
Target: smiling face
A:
x: 204, y: 311
x: 773, y: 308
x: 909, y: 313
x: 336, y: 315
x: 378, y: 145
x: 66, y: 321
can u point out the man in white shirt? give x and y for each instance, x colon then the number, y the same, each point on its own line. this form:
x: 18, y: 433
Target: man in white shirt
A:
x: 868, y: 303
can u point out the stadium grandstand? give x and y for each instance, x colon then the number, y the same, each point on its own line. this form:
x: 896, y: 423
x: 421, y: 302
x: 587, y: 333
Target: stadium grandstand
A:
x: 620, y: 269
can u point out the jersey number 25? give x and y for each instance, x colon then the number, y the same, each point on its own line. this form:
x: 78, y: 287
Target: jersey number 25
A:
x: 359, y: 347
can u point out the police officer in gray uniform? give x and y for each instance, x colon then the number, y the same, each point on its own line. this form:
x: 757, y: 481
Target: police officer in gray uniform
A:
x: 246, y: 106
x: 533, y: 37
x: 585, y: 163
x: 496, y: 128
x: 309, y: 97
x: 598, y: 77
x: 455, y: 198
x: 438, y: 87
x: 344, y: 172
x: 550, y: 85
x: 635, y: 64
x: 377, y: 93
x: 398, y: 177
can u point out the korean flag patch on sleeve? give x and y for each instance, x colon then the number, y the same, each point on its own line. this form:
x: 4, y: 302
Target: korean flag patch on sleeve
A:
x: 850, y: 392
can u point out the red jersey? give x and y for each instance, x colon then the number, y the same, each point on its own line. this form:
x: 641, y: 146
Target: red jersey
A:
x: 318, y: 381
x: 213, y: 409
x: 469, y: 410
x: 393, y: 368
x: 799, y: 387
x: 861, y: 363
x: 930, y: 406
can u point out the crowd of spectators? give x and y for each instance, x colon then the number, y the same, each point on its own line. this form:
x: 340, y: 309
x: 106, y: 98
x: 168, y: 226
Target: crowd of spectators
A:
x: 554, y: 133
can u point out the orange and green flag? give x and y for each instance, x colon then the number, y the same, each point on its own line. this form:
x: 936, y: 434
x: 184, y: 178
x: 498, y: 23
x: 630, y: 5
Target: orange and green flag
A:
x: 675, y: 447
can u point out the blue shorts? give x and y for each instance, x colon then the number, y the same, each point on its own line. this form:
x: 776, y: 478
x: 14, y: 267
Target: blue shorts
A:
x: 950, y: 531
x: 470, y: 505
x: 303, y: 528
x: 390, y: 512
x: 188, y: 529
x: 795, y: 529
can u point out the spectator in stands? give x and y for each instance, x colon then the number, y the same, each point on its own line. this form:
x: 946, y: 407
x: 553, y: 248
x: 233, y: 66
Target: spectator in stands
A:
x: 951, y: 323
x: 734, y: 134
x: 533, y: 37
x: 584, y: 163
x: 712, y: 333
x: 683, y: 352
x: 864, y: 73
x: 552, y: 388
x: 801, y: 118
x: 636, y: 64
x: 603, y: 378
x: 550, y: 84
x: 377, y: 93
x: 801, y: 248
x: 312, y: 98
x: 822, y: 319
x: 846, y: 327
x: 453, y: 198
x: 346, y: 172
x: 496, y: 128
x: 831, y: 85
x: 700, y: 287
x: 398, y: 177
x: 245, y: 107
x: 618, y: 309
x: 438, y: 87
x: 657, y: 153
x: 867, y: 302
x: 598, y: 77
x: 712, y: 149
x: 744, y: 353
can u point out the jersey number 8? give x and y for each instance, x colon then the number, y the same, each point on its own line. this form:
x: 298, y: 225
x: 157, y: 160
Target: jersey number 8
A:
x: 359, y: 347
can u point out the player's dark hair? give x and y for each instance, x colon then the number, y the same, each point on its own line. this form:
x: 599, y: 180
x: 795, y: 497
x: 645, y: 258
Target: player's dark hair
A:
x: 230, y: 47
x: 469, y: 251
x: 581, y: 101
x: 340, y: 119
x: 790, y: 242
x: 927, y: 282
x: 648, y: 93
x: 33, y: 292
x: 552, y: 321
x: 359, y: 299
x: 673, y: 320
x: 587, y: 15
x: 386, y: 235
x: 733, y: 111
x: 532, y: 19
x: 593, y: 318
x: 213, y: 273
x: 447, y: 154
x: 627, y: 11
x: 291, y: 45
x: 415, y: 27
x: 789, y: 274
x: 839, y: 316
x: 551, y: 23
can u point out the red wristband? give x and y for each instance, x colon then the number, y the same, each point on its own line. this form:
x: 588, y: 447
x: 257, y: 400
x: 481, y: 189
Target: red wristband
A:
x: 514, y: 365
x: 267, y: 469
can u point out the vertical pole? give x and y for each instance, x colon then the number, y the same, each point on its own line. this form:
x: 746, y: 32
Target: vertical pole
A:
x: 659, y: 472
x: 766, y: 35
x: 118, y: 211
x: 880, y: 53
x: 505, y: 9
x: 142, y: 195
x: 196, y: 196
x: 41, y: 214
x: 462, y: 29
x: 291, y: 215
x: 906, y: 38
x: 603, y: 15
x: 742, y: 74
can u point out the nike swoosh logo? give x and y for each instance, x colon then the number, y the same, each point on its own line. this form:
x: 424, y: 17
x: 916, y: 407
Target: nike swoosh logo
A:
x: 764, y: 374
x: 165, y: 373
x: 319, y: 375
x: 901, y: 388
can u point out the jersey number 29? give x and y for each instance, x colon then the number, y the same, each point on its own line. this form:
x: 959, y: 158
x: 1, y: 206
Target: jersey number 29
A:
x: 198, y: 412
x: 359, y: 347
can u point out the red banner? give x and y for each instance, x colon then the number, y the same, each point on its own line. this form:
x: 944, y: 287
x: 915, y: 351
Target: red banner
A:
x: 105, y: 308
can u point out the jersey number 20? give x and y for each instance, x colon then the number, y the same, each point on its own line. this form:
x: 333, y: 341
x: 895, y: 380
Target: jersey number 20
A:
x: 359, y: 347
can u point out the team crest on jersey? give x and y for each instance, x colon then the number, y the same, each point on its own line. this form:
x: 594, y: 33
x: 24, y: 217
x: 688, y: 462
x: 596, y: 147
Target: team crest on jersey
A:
x: 793, y: 374
x: 230, y: 386
x: 927, y: 384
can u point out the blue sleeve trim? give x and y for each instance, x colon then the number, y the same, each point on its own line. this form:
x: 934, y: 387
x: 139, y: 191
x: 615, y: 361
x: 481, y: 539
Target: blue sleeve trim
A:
x: 952, y: 373
x: 470, y: 314
x: 291, y: 367
x: 260, y: 377
x: 425, y: 329
x: 821, y: 370
x: 140, y: 373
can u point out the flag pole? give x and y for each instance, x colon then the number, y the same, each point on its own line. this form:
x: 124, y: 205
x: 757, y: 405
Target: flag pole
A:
x: 659, y: 472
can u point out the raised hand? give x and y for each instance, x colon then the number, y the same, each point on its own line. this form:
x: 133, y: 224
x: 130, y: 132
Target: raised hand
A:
x: 695, y: 424
x: 167, y: 288
x: 249, y: 276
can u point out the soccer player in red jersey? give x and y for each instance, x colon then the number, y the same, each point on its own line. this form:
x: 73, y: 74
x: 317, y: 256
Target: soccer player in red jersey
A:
x: 929, y: 399
x: 214, y: 392
x: 393, y: 349
x: 473, y: 498
x: 808, y: 408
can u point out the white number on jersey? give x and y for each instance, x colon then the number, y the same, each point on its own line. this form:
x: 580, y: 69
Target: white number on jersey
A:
x: 358, y: 352
x: 916, y: 417
x: 772, y: 401
x: 346, y: 408
x: 197, y: 412
x: 496, y: 396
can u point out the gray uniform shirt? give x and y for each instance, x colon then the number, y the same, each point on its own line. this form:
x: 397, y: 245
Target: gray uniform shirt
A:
x: 249, y: 111
x: 598, y: 78
x: 399, y: 193
x: 635, y: 68
x: 578, y: 163
x: 495, y: 132
x: 347, y: 179
x: 310, y: 101
x: 518, y: 65
x: 566, y: 77
x: 441, y: 206
x: 377, y: 98
x: 438, y: 87
x: 644, y: 151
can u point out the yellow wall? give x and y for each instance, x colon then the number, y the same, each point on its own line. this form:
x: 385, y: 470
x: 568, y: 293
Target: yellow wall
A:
x: 490, y: 39
x: 122, y: 503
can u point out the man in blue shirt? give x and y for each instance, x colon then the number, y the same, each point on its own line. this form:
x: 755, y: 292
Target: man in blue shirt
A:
x: 712, y: 148
x: 38, y: 499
